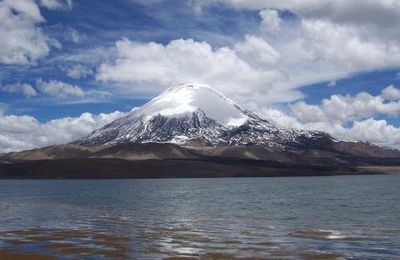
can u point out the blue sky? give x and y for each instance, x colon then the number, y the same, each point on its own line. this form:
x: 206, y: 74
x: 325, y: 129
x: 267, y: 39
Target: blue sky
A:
x: 304, y: 64
x: 99, y: 24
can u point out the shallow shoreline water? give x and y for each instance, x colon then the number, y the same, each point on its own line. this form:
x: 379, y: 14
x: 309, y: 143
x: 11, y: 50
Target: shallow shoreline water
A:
x: 341, y: 217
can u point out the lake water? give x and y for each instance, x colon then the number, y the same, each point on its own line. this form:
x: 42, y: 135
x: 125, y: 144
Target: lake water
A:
x: 341, y: 217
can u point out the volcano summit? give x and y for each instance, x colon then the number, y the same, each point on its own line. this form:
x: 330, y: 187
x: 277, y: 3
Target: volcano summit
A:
x: 197, y: 115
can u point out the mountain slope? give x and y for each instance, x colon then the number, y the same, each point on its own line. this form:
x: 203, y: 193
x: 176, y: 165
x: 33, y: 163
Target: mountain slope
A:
x: 196, y: 115
x: 159, y: 160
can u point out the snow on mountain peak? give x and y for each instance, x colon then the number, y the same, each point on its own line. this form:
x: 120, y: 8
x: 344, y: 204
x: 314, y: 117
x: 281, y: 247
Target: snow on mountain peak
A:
x: 189, y: 98
x: 197, y: 115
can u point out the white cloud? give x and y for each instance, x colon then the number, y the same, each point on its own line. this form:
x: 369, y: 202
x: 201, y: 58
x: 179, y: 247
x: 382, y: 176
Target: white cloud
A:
x: 78, y: 71
x: 59, y: 89
x: 22, y: 40
x: 25, y: 132
x: 379, y: 132
x: 315, y: 51
x: 345, y: 117
x: 302, y: 51
x: 257, y: 51
x: 346, y: 108
x: 326, y: 39
x: 362, y: 105
x: 348, y: 46
x: 271, y: 22
x: 158, y: 65
x: 307, y: 113
x: 375, y: 131
x: 280, y: 118
x: 391, y: 93
x: 25, y: 89
x: 56, y: 4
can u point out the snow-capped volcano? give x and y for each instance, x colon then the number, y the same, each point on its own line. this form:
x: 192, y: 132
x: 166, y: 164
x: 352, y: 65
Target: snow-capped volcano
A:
x: 197, y: 115
x: 187, y: 99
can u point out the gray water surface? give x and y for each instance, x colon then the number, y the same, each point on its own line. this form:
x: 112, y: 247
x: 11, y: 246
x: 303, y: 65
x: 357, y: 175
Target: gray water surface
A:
x: 340, y: 217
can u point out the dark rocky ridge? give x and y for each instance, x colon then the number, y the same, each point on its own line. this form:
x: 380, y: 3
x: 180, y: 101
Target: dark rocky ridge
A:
x: 154, y: 160
x: 126, y: 169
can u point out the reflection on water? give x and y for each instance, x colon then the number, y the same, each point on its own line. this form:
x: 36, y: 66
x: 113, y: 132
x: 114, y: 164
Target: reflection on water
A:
x: 53, y: 242
x: 182, y: 243
x: 344, y: 217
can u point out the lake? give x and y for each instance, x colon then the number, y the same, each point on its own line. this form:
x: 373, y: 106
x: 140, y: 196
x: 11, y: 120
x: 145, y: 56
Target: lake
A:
x: 340, y: 217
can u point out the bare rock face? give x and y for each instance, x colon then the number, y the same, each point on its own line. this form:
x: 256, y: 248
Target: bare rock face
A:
x: 199, y: 116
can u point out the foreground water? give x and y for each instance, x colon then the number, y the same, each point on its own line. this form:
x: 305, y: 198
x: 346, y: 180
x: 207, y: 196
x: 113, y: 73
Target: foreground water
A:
x: 343, y: 217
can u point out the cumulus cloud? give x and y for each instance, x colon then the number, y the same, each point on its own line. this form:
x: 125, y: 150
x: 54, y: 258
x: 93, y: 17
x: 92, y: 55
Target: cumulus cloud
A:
x: 325, y: 40
x: 307, y: 113
x: 155, y: 64
x: 25, y: 132
x: 23, y: 41
x: 257, y: 51
x: 391, y: 93
x: 378, y: 132
x: 345, y: 117
x: 348, y: 46
x: 347, y: 108
x: 59, y: 89
x: 362, y: 105
x: 25, y: 89
x: 303, y: 50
